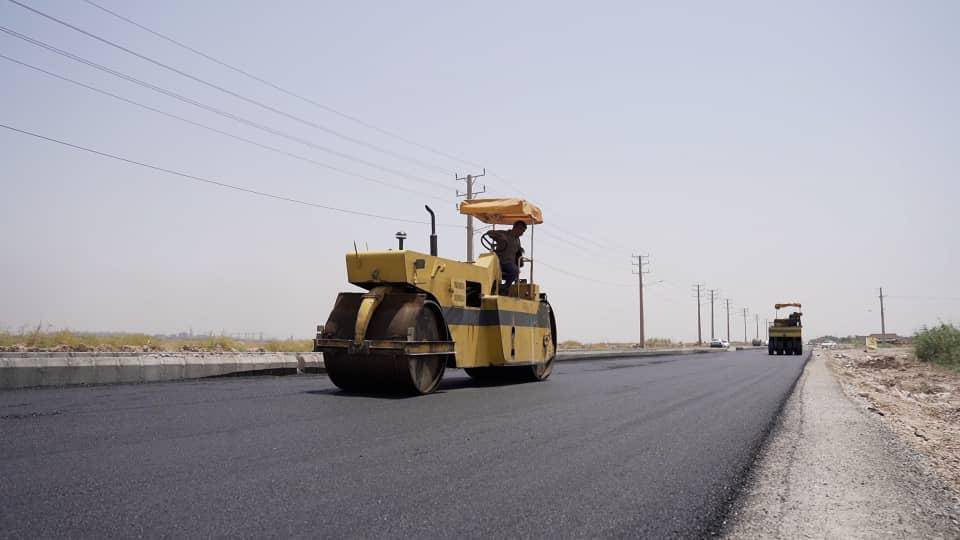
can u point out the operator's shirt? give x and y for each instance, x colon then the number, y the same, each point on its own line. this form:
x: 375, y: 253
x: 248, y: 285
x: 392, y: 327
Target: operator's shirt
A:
x: 511, y: 252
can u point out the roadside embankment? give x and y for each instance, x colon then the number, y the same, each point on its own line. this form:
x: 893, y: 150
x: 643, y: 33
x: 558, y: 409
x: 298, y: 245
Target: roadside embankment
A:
x: 831, y: 469
x: 25, y: 370
x: 919, y: 401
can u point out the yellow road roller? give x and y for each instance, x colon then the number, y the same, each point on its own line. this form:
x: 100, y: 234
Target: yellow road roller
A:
x: 422, y: 313
x: 785, y: 335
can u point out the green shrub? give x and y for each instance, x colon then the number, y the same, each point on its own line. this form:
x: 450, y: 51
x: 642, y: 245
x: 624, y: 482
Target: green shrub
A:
x: 940, y: 345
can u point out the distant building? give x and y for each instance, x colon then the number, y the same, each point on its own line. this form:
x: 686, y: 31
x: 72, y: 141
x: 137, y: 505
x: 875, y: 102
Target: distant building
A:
x: 888, y: 338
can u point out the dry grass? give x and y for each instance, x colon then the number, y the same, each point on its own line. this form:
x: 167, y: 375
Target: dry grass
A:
x: 67, y: 340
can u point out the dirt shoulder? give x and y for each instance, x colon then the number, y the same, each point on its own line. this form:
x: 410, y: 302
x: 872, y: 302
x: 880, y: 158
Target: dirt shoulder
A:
x: 918, y: 401
x: 833, y: 469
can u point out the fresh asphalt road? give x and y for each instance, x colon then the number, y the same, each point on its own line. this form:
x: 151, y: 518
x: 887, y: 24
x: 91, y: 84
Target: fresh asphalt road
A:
x: 646, y: 446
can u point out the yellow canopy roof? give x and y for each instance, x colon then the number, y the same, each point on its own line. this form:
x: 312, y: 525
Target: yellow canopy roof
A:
x: 502, y: 211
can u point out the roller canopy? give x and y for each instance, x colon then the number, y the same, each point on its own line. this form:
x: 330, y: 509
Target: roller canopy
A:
x: 502, y: 211
x: 781, y: 306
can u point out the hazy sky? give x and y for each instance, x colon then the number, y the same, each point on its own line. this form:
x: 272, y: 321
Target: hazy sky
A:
x: 776, y: 151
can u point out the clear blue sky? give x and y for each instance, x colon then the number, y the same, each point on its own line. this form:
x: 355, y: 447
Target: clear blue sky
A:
x: 776, y: 151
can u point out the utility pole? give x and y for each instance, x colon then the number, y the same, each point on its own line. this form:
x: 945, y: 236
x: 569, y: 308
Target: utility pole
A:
x: 639, y: 263
x: 757, y: 316
x: 744, y: 325
x: 698, y: 287
x: 713, y: 298
x: 470, y: 178
x: 727, y: 301
x: 883, y: 321
x: 766, y: 325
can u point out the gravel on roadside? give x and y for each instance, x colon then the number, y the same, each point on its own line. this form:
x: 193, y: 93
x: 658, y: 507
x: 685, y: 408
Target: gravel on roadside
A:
x: 831, y: 469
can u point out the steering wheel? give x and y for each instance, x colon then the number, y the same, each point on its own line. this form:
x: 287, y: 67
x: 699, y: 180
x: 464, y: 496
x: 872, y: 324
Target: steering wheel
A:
x: 489, y: 242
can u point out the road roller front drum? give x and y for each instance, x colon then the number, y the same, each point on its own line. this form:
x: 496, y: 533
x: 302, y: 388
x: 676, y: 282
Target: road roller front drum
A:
x: 403, y: 349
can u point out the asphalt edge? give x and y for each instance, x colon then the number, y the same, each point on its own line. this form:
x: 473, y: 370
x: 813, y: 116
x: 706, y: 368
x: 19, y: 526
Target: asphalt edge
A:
x: 587, y: 356
x: 719, y: 524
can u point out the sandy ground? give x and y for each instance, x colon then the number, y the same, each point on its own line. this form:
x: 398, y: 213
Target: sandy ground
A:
x: 833, y: 469
x: 918, y: 401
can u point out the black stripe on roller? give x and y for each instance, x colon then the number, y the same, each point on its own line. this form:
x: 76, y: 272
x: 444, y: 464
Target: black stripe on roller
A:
x: 496, y: 317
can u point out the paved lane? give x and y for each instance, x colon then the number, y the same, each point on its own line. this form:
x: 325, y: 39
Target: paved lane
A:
x: 644, y: 446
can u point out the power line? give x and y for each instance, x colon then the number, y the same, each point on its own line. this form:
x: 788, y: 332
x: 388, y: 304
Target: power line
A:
x: 280, y: 88
x: 914, y: 297
x: 239, y: 119
x: 605, y: 247
x: 671, y: 284
x: 216, y: 182
x: 580, y: 247
x: 582, y: 237
x: 586, y: 239
x: 477, y: 231
x: 649, y: 288
x: 219, y: 112
x: 663, y: 293
x: 245, y: 98
x: 215, y: 130
x: 554, y: 225
x: 322, y: 106
x: 237, y: 95
x: 272, y: 196
x: 510, y: 185
x: 212, y: 109
x: 558, y: 227
x: 261, y: 80
x: 579, y: 276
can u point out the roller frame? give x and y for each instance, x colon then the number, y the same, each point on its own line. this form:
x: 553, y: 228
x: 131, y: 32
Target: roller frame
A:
x: 378, y: 346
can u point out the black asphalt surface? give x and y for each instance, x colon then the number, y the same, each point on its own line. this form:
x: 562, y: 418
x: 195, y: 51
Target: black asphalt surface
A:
x: 639, y: 447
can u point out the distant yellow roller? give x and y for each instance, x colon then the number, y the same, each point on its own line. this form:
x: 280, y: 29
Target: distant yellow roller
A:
x: 784, y: 335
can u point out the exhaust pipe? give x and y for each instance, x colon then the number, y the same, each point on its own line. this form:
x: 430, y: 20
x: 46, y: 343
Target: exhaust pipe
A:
x: 433, y: 231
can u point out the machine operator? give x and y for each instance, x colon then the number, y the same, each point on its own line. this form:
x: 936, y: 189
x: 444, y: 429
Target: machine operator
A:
x: 510, y: 253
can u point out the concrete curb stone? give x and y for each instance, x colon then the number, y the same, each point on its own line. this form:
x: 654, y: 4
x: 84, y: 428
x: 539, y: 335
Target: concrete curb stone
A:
x: 25, y: 370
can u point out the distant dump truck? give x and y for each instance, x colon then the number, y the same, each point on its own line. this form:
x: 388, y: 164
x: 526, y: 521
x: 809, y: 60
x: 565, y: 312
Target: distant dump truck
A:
x: 785, y: 334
